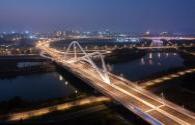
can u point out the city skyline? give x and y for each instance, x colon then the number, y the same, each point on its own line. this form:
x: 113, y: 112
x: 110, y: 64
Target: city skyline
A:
x: 133, y: 16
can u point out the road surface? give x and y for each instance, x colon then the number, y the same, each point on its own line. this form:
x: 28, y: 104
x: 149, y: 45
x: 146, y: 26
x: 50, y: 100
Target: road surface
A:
x: 46, y: 110
x: 143, y: 103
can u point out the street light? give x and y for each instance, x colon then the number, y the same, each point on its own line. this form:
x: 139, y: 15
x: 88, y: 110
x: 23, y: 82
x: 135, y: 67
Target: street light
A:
x: 163, y: 98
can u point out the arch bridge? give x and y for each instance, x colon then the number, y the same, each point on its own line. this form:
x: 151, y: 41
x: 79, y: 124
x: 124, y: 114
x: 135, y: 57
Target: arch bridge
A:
x: 75, y: 46
x: 141, y: 102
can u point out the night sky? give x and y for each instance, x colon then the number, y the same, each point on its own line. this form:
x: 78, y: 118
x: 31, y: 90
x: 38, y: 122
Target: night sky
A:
x: 85, y: 15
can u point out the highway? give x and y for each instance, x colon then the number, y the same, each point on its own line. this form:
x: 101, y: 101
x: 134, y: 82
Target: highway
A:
x: 149, y: 107
x: 46, y: 110
x: 82, y: 112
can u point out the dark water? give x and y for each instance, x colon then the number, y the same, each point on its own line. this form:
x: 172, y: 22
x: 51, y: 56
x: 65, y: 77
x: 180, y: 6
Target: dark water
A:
x: 150, y: 64
x: 27, y: 64
x: 179, y: 91
x: 53, y: 85
x: 36, y: 87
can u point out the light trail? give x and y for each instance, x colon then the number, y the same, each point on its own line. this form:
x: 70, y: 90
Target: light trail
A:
x: 133, y: 98
x: 60, y: 107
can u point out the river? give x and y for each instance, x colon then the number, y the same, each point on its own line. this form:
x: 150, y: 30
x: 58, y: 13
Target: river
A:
x: 147, y: 66
x: 36, y: 87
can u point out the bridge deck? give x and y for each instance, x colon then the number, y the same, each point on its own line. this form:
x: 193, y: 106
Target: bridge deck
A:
x: 129, y: 95
x: 146, y: 105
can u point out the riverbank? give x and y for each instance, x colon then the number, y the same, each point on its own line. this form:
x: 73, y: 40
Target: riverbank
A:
x: 12, y: 76
x: 180, y: 90
x: 188, y: 63
x: 124, y: 55
x: 12, y: 66
x: 18, y: 104
x: 189, y: 59
x: 177, y: 84
x: 11, y: 69
x: 24, y: 115
x: 166, y: 78
x: 22, y: 58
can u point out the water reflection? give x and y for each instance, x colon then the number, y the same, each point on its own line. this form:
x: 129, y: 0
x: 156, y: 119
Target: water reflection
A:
x: 60, y: 78
x: 27, y: 64
x: 142, y: 61
x: 167, y: 54
x: 150, y: 55
x: 152, y: 60
x: 66, y: 82
x: 36, y: 87
x: 159, y: 55
x: 148, y: 65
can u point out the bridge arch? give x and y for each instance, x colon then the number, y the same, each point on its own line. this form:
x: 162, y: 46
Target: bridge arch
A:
x: 103, y: 73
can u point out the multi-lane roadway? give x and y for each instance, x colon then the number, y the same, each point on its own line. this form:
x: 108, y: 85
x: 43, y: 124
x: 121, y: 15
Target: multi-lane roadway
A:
x: 143, y: 103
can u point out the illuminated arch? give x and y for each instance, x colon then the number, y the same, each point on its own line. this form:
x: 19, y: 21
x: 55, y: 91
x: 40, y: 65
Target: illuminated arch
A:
x: 88, y: 58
